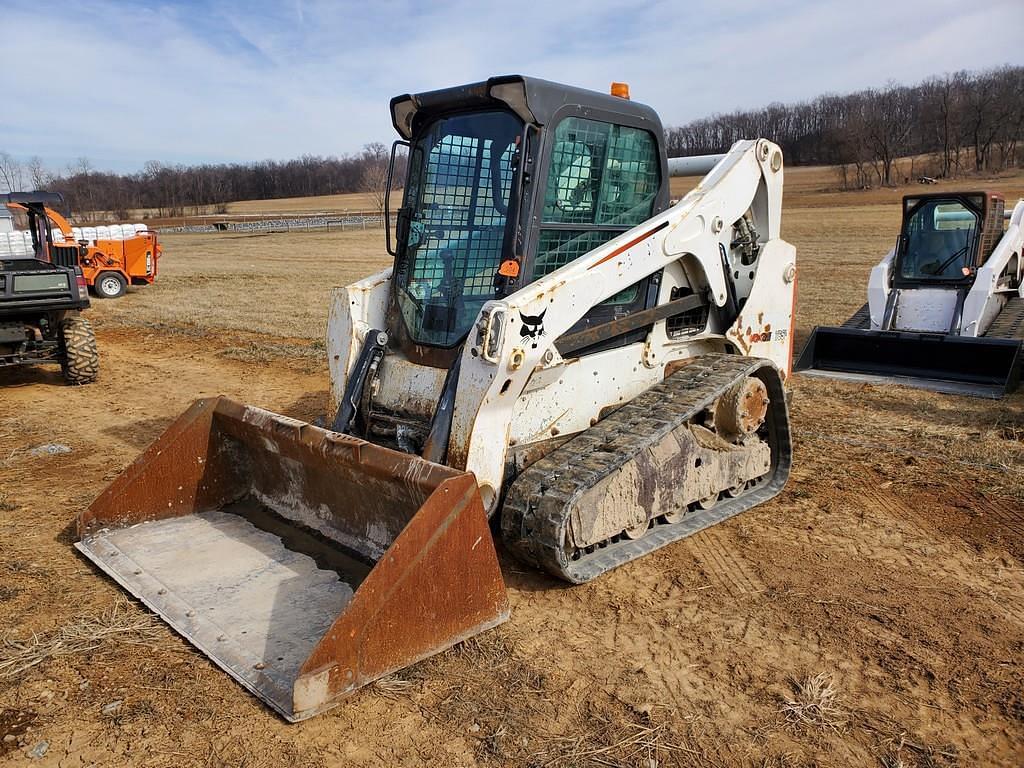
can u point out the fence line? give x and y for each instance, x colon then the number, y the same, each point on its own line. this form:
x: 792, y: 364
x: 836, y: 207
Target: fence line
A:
x: 281, y: 224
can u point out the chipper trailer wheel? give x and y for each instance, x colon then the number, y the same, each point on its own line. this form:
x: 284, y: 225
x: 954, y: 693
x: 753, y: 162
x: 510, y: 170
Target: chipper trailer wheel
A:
x: 110, y: 285
x: 80, y: 360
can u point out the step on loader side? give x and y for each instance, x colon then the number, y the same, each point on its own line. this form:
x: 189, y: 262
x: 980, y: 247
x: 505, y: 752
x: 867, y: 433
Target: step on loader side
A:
x: 303, y: 562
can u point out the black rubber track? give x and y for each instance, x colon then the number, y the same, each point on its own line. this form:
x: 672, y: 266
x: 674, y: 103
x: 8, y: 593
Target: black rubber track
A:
x: 80, y: 361
x: 1009, y: 323
x: 860, y: 319
x: 535, y: 515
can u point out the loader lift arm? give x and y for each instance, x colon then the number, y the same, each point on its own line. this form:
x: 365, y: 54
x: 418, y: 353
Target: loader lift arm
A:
x: 497, y: 366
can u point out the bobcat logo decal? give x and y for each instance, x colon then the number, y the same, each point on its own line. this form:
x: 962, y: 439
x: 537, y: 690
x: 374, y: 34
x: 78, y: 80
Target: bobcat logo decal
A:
x: 532, y: 327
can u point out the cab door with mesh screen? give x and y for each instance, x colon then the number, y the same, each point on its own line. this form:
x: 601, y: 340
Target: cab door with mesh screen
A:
x: 457, y: 198
x: 602, y: 180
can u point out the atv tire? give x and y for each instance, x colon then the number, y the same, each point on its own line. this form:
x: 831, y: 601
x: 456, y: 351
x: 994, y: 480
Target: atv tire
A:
x: 80, y: 360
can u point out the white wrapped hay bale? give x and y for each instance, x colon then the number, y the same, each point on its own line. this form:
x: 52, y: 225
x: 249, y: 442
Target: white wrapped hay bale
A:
x: 89, y: 233
x: 17, y: 243
x: 76, y: 233
x: 102, y: 232
x: 57, y: 235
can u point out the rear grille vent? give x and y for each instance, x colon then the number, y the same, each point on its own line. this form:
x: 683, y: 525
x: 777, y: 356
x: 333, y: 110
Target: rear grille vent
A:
x: 65, y: 255
x: 686, y: 323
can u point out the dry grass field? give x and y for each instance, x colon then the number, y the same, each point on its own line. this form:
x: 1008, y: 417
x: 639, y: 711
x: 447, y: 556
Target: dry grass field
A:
x: 871, y: 615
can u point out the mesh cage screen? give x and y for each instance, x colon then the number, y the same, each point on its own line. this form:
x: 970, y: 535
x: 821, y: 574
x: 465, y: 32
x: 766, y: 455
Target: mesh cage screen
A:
x: 560, y: 246
x: 460, y: 183
x: 600, y: 175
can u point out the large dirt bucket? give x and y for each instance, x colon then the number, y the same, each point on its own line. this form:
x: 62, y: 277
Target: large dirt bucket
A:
x: 982, y: 367
x: 303, y: 562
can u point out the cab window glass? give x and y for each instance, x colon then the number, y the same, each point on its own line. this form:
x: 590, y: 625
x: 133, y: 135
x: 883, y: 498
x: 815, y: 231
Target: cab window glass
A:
x: 603, y: 179
x: 940, y: 240
x: 601, y: 174
x: 460, y: 183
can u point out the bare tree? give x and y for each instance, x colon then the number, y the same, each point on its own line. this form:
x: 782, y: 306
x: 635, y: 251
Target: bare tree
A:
x: 37, y: 173
x: 1011, y: 93
x: 984, y: 115
x: 888, y: 120
x: 374, y: 177
x: 11, y: 173
x: 950, y: 117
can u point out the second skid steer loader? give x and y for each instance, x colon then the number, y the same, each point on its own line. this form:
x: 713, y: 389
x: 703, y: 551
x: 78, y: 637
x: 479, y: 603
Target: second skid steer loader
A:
x: 556, y: 348
x: 945, y: 307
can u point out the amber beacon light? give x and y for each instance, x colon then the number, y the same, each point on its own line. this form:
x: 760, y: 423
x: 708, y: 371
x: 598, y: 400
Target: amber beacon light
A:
x: 621, y: 90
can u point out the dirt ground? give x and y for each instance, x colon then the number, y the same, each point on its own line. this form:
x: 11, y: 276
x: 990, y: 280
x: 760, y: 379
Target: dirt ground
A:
x: 871, y: 615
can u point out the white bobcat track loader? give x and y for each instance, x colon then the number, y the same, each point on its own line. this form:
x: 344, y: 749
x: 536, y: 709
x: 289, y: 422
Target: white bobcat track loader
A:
x: 945, y: 310
x: 556, y: 348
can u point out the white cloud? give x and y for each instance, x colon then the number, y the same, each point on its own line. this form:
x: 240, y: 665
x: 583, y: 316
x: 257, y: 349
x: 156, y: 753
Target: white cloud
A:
x: 123, y: 83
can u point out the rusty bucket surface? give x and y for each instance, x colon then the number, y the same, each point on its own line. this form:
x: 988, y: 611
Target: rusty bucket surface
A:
x: 303, y: 562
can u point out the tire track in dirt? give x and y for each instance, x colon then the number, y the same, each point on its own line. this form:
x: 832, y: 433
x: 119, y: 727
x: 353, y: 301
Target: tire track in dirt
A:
x: 724, y: 566
x: 1007, y: 513
x: 1008, y: 598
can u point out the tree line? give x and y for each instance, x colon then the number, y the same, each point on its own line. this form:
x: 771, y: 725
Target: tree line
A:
x: 177, y: 190
x: 949, y: 125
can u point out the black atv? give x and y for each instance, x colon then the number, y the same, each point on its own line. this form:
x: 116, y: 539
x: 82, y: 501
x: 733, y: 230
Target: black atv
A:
x: 42, y: 297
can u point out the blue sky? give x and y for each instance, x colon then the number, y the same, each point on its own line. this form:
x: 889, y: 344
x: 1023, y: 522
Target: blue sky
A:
x: 125, y: 82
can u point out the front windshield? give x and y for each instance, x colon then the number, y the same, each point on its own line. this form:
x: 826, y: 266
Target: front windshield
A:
x: 940, y: 239
x: 457, y: 200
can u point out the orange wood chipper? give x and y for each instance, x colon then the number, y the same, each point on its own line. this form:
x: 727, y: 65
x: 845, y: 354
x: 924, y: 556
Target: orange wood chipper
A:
x: 111, y: 258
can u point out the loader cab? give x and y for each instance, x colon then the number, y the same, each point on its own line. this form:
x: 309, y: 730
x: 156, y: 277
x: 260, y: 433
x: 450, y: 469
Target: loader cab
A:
x: 506, y: 181
x: 945, y: 238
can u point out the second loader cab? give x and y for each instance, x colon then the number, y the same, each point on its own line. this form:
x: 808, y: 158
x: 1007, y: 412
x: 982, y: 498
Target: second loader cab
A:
x: 942, y: 238
x: 507, y: 181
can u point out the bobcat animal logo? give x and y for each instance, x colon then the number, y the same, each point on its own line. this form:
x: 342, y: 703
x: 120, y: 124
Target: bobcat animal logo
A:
x: 532, y: 327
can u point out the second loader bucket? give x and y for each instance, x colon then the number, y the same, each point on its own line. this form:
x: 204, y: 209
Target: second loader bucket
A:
x: 303, y: 562
x: 982, y: 367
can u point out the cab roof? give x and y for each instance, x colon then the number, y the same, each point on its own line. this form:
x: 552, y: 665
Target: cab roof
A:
x: 536, y: 101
